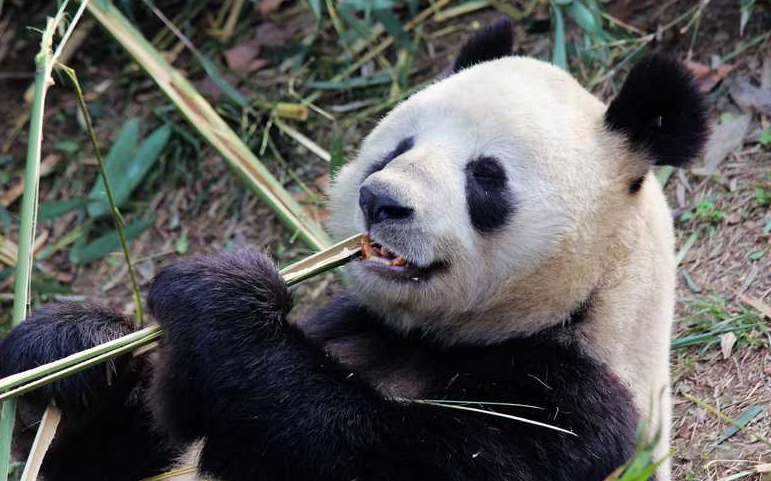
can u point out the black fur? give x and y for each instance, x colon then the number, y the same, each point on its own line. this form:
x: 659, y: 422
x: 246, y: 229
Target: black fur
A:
x: 270, y: 404
x: 273, y: 402
x: 57, y: 331
x: 489, y: 200
x: 106, y: 431
x: 661, y: 112
x: 492, y: 42
x: 403, y: 146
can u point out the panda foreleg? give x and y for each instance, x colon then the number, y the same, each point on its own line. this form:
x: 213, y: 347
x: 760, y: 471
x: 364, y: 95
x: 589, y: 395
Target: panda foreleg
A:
x: 58, y: 330
x: 105, y: 432
x: 268, y: 403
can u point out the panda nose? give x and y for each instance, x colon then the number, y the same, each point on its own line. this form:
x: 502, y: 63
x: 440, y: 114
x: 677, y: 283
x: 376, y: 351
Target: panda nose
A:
x: 380, y: 207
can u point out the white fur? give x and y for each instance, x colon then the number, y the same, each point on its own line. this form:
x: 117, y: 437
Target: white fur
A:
x: 576, y: 231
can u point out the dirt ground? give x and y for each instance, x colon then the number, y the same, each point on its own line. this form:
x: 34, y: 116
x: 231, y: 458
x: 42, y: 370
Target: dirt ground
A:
x: 721, y: 210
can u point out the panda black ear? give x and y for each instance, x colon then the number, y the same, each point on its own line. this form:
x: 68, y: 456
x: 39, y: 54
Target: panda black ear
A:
x: 661, y: 111
x: 491, y: 42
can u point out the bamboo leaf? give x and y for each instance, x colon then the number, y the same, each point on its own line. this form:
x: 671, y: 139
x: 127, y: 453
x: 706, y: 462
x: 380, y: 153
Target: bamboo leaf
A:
x: 51, y: 210
x: 741, y: 422
x: 126, y: 173
x: 316, y: 8
x: 119, y: 156
x: 377, y: 78
x: 584, y: 18
x: 386, y: 18
x: 107, y: 243
x: 559, y: 54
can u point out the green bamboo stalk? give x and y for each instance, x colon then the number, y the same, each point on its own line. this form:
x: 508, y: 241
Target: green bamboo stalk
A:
x: 44, y: 62
x: 117, y: 218
x: 210, y: 125
x: 23, y: 382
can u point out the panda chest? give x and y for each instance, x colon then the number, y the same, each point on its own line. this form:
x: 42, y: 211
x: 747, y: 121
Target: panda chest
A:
x: 395, y: 369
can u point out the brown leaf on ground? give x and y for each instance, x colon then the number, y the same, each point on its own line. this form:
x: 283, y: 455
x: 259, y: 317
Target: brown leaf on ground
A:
x: 733, y: 218
x: 765, y: 74
x: 726, y: 137
x: 271, y: 35
x: 707, y: 78
x: 241, y: 56
x: 209, y: 89
x: 757, y: 304
x: 14, y: 192
x: 749, y: 97
x: 268, y: 6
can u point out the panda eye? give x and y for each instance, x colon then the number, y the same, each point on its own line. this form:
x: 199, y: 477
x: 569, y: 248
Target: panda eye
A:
x: 487, y: 170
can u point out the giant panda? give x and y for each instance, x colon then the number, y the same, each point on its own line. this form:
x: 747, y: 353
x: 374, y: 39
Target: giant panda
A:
x: 519, y: 259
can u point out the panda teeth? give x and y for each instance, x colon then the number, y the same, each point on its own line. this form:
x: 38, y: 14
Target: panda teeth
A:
x: 381, y: 254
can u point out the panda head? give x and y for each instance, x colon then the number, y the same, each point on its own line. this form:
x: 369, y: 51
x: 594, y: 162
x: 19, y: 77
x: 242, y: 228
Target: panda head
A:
x: 499, y: 186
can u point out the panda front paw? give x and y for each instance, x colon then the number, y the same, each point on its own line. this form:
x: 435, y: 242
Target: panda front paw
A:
x: 59, y: 330
x: 206, y: 295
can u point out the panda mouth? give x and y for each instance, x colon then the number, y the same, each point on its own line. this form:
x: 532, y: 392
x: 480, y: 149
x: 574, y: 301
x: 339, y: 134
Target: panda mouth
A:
x: 380, y: 259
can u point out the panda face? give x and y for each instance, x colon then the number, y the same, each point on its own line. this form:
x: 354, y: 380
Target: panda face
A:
x: 501, y: 197
x: 475, y: 182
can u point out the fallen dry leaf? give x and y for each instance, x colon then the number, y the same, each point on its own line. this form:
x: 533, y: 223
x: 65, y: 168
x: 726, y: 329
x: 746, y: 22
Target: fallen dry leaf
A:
x: 268, y: 6
x: 733, y: 218
x: 241, y: 56
x: 749, y: 97
x: 757, y: 304
x: 727, y: 342
x: 765, y: 74
x: 726, y: 137
x: 271, y: 35
x: 46, y: 167
x: 706, y: 77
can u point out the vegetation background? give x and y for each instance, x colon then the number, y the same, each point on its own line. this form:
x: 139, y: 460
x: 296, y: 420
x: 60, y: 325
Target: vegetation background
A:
x: 301, y: 83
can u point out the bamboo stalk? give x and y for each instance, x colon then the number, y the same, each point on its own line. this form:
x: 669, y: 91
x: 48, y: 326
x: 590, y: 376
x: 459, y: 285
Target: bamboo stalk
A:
x: 23, y: 382
x: 43, y: 438
x: 44, y: 62
x: 210, y: 125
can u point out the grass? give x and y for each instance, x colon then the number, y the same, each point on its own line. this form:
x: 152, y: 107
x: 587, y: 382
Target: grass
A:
x: 712, y: 318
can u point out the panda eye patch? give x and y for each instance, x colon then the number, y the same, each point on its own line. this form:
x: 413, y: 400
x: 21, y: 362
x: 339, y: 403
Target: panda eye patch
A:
x: 403, y: 146
x: 487, y: 170
x: 489, y: 200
